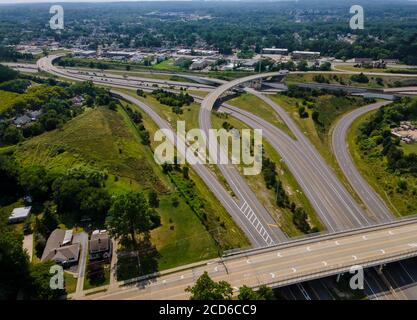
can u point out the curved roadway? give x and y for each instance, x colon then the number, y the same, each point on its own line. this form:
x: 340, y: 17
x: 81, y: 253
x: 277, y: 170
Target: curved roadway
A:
x: 260, y: 229
x: 341, y: 150
x: 333, y: 201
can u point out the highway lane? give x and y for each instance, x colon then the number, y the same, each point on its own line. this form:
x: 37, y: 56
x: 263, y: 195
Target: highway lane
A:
x: 327, y: 173
x: 340, y: 211
x: 259, y: 232
x: 141, y: 80
x: 46, y: 64
x: 256, y: 238
x: 303, y: 170
x: 285, y: 264
x: 341, y: 151
x: 237, y: 183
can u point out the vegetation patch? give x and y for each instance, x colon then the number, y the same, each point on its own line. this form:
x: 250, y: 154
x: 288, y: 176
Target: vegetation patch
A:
x: 381, y: 159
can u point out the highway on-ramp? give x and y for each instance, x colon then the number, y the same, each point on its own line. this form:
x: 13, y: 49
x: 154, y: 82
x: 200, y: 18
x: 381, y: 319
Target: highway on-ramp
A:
x: 259, y: 231
x: 341, y: 151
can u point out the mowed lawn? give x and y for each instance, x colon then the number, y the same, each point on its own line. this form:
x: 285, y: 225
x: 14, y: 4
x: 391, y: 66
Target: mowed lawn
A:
x: 259, y: 108
x: 6, y: 99
x: 106, y: 140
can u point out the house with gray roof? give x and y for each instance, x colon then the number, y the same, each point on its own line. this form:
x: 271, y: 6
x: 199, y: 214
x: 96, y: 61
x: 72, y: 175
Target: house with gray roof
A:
x: 59, y: 248
x: 100, y: 245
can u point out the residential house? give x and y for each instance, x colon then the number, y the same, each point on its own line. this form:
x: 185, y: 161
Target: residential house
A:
x: 100, y: 245
x: 61, y: 249
x: 22, y: 120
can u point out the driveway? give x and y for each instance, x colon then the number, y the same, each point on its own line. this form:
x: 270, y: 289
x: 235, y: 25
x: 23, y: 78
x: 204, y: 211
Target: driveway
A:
x: 81, y: 238
x: 28, y: 245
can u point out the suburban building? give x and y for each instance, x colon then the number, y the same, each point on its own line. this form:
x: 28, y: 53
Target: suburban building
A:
x: 77, y: 101
x: 59, y: 248
x: 275, y: 51
x: 305, y: 55
x: 22, y: 120
x: 406, y: 132
x: 19, y: 214
x: 100, y: 245
x: 85, y: 53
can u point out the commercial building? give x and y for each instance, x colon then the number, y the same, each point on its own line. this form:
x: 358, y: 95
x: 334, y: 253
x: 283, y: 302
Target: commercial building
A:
x: 305, y: 55
x: 275, y: 51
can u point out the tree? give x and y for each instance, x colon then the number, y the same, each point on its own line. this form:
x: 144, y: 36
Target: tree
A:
x: 266, y: 292
x: 302, y: 112
x: 130, y: 215
x: 40, y: 282
x: 315, y: 116
x: 207, y: 289
x: 185, y: 173
x: 247, y: 293
x: 12, y: 135
x: 35, y: 182
x: 14, y: 263
x: 7, y: 74
x: 263, y: 293
x: 153, y: 199
x: 9, y: 173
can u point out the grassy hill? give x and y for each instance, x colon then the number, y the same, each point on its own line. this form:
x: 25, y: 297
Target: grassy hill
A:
x: 106, y: 140
x: 6, y: 99
x: 98, y: 138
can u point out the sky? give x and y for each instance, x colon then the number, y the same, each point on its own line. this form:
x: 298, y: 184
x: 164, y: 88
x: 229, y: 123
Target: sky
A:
x: 56, y: 1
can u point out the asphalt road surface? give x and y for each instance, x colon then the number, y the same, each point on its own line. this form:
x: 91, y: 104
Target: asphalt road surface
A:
x: 332, y: 213
x: 259, y: 231
x: 285, y: 264
x: 341, y: 151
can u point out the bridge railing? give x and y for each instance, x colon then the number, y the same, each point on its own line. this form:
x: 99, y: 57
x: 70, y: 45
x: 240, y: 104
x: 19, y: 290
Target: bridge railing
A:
x: 339, y: 269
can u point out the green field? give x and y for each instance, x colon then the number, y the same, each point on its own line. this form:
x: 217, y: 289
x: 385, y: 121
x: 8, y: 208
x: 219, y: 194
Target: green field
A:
x: 409, y: 148
x: 98, y: 138
x: 259, y: 108
x: 373, y: 169
x: 6, y: 100
x: 167, y: 65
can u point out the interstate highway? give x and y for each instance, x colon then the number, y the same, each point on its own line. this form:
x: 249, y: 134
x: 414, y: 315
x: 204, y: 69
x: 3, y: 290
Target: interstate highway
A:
x: 283, y: 264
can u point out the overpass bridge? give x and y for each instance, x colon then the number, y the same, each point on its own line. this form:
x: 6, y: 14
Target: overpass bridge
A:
x: 285, y: 264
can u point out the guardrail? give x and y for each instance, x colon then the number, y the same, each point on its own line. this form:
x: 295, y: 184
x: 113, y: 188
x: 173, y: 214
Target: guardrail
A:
x: 338, y: 269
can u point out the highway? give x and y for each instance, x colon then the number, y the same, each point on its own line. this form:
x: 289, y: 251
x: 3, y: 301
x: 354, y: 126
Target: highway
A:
x: 341, y: 151
x: 305, y: 171
x: 259, y: 226
x: 284, y: 264
x: 334, y: 204
x: 236, y: 182
x: 46, y: 64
